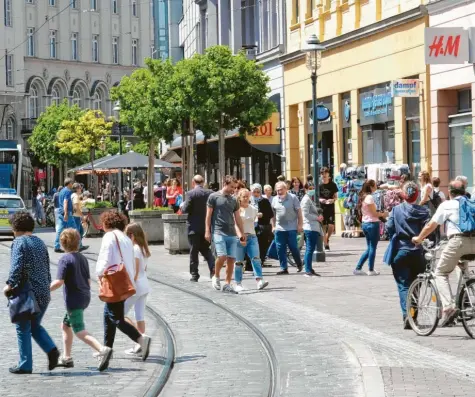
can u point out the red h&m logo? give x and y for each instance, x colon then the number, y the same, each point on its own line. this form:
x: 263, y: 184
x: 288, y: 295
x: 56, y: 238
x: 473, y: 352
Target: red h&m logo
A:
x: 445, y: 45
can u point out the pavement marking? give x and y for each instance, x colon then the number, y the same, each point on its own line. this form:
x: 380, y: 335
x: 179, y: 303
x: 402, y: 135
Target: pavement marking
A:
x: 372, y: 379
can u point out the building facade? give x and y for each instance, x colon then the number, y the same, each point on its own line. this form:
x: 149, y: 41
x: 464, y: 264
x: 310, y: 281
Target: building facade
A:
x: 452, y: 88
x: 167, y: 15
x: 57, y: 49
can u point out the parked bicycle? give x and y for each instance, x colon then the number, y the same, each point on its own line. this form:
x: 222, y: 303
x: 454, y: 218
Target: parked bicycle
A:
x: 424, y: 306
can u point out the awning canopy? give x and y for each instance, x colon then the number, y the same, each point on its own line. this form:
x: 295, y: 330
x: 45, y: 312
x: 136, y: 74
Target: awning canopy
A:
x: 87, y: 166
x: 200, y: 138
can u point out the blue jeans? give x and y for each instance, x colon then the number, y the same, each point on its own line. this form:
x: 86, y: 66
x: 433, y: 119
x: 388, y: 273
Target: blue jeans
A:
x: 79, y: 228
x: 272, y: 251
x: 284, y: 239
x: 225, y: 245
x: 252, y: 251
x: 371, y: 232
x: 62, y: 224
x: 407, y: 265
x: 311, y: 238
x: 24, y: 331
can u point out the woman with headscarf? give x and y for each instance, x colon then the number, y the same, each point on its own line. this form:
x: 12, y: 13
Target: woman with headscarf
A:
x: 406, y: 259
x: 263, y: 227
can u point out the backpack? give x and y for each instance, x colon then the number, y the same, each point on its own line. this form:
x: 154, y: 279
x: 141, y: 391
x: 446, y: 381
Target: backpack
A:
x: 178, y: 200
x: 466, y: 215
x: 436, y: 200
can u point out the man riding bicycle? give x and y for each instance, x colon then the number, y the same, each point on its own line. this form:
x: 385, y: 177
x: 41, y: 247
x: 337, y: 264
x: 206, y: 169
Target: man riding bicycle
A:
x: 461, y: 241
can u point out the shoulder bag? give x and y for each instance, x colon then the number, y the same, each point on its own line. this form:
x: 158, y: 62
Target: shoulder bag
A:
x: 114, y: 284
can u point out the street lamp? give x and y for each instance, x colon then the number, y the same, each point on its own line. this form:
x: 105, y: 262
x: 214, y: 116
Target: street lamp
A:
x: 117, y: 109
x: 314, y: 60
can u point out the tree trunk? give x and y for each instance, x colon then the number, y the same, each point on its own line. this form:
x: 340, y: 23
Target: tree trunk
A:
x: 150, y: 173
x: 184, y: 164
x: 191, y: 172
x: 222, y: 157
x: 61, y: 173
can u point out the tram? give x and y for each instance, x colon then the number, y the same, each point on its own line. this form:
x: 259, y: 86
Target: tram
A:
x: 15, y: 170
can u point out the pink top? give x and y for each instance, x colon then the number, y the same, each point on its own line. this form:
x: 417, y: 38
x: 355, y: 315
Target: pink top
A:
x: 367, y: 217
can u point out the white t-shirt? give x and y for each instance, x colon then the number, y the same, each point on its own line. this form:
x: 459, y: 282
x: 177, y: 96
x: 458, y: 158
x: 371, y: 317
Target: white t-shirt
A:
x: 448, y: 212
x: 141, y: 285
x: 248, y: 216
x: 423, y: 191
x: 145, y: 194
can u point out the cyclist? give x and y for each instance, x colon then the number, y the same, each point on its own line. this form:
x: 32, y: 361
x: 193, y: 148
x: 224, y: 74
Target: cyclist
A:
x: 459, y: 244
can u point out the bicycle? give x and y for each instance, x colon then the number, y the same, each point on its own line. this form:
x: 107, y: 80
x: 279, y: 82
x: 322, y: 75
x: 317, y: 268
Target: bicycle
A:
x: 424, y: 297
x: 86, y: 222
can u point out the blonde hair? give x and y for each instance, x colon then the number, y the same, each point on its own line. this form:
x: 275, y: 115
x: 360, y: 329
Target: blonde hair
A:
x: 70, y: 239
x: 241, y: 193
x: 135, y: 230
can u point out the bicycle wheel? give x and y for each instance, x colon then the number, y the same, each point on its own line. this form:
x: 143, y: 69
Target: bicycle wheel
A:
x: 50, y: 220
x: 423, y: 306
x: 467, y: 307
x: 85, y: 227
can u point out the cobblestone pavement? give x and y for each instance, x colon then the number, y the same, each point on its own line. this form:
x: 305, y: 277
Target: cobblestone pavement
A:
x: 338, y: 335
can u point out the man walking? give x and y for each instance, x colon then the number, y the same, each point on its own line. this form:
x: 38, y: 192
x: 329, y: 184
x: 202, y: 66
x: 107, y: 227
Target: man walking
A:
x: 65, y: 212
x: 195, y: 206
x: 328, y: 196
x: 286, y: 223
x: 56, y: 206
x: 223, y: 222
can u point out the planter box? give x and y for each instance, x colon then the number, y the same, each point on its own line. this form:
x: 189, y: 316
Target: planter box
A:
x: 151, y: 222
x: 176, y: 233
x: 94, y: 220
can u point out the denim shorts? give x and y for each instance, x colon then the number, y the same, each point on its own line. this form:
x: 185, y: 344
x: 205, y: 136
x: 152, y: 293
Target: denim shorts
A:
x: 225, y: 245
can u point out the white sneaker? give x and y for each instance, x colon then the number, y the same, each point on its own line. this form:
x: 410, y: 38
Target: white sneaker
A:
x: 145, y: 346
x: 373, y: 273
x: 261, y: 284
x: 357, y: 272
x: 136, y: 350
x: 216, y: 283
x: 238, y: 287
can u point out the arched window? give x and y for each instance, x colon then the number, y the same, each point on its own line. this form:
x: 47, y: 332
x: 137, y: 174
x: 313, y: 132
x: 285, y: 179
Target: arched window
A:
x: 10, y: 128
x: 77, y: 100
x: 55, y: 98
x: 33, y: 104
x: 97, y: 102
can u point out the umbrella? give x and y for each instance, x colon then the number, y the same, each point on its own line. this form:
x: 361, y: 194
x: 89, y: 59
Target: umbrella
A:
x: 133, y: 160
x: 88, y: 166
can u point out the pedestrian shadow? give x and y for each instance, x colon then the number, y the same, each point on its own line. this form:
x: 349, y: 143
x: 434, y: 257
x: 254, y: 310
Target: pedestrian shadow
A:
x: 92, y: 371
x: 184, y: 359
x: 267, y: 290
x: 336, y: 255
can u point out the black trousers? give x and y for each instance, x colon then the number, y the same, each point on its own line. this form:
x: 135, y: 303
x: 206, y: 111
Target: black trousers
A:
x: 198, y: 244
x: 264, y: 238
x: 113, y: 319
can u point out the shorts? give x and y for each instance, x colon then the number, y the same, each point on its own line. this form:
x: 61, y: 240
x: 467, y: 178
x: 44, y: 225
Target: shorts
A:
x: 75, y: 319
x: 139, y: 303
x: 225, y: 245
x: 328, y: 215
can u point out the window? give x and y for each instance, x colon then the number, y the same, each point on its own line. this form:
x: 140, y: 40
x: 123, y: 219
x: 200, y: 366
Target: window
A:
x: 295, y: 12
x: 134, y: 51
x: 29, y: 1
x: 95, y: 48
x: 10, y: 128
x: 153, y: 52
x: 96, y: 102
x: 30, y: 43
x: 461, y: 147
x: 9, y: 70
x: 53, y: 44
x: 33, y: 104
x: 8, y: 12
x: 74, y: 47
x: 115, y: 50
x: 55, y: 97
x: 347, y: 147
x: 115, y: 7
x: 378, y: 141
x: 327, y: 4
x: 74, y: 4
x: 77, y: 98
x: 464, y: 101
x: 93, y: 5
x: 52, y: 3
x: 134, y: 8
x: 414, y: 145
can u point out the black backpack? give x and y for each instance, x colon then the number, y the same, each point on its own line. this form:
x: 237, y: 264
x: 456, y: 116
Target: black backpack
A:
x: 436, y: 200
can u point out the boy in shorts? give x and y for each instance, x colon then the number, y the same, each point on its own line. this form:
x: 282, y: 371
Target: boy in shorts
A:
x: 73, y: 273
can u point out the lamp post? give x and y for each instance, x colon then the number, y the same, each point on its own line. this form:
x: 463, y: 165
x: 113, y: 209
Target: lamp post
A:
x: 117, y: 109
x: 314, y: 60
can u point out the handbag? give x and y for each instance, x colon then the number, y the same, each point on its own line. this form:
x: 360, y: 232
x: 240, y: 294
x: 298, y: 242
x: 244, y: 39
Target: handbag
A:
x: 114, y: 284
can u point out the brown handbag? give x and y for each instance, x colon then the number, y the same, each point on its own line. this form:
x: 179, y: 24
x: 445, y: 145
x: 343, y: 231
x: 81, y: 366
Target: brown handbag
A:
x: 114, y: 284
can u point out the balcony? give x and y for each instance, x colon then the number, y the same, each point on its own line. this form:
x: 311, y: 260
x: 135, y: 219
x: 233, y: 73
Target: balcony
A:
x: 123, y: 130
x: 27, y: 126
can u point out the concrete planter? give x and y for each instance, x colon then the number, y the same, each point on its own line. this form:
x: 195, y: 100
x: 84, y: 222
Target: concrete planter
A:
x: 94, y: 221
x: 151, y: 222
x: 176, y: 233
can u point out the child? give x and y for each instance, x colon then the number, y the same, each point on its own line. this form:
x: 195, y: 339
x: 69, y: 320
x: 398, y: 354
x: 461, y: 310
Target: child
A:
x: 73, y: 273
x: 251, y: 245
x: 141, y: 253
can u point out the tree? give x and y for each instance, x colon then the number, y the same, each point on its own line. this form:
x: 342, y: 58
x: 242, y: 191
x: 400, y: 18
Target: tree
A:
x: 142, y: 147
x: 84, y: 136
x: 146, y: 105
x: 221, y: 91
x: 45, y: 134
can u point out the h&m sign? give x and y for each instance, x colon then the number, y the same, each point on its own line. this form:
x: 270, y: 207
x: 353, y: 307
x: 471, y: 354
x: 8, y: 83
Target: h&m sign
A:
x: 447, y: 45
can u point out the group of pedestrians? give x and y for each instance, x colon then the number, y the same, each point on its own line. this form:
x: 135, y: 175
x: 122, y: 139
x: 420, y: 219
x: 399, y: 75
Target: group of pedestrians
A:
x: 122, y: 245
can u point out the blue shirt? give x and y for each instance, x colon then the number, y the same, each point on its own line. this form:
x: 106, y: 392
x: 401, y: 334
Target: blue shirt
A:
x: 73, y: 268
x: 30, y: 262
x: 65, y: 194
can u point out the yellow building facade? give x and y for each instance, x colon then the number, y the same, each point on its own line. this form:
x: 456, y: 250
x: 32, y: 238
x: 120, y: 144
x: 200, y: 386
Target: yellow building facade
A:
x: 368, y: 44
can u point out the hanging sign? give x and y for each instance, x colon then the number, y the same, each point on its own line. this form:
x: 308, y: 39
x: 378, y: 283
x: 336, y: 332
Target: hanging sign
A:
x: 405, y: 88
x: 267, y: 136
x: 446, y: 46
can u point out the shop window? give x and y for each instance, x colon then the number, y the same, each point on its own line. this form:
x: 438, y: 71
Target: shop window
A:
x: 377, y: 142
x: 461, y: 148
x: 347, y: 147
x: 414, y: 146
x: 464, y: 101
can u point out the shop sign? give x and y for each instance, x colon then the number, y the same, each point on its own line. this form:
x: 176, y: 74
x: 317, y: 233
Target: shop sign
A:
x: 346, y: 111
x: 446, y: 46
x: 405, y: 88
x: 324, y: 117
x: 267, y: 136
x: 375, y: 104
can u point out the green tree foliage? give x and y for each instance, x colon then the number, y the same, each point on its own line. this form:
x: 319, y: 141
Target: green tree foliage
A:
x: 142, y: 147
x: 45, y: 134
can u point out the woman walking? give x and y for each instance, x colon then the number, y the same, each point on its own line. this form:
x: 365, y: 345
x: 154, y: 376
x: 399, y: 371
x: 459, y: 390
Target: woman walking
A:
x: 370, y: 224
x: 263, y: 227
x: 297, y: 188
x: 406, y: 259
x: 173, y: 192
x: 141, y: 254
x: 117, y: 248
x: 30, y: 264
x: 427, y: 190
